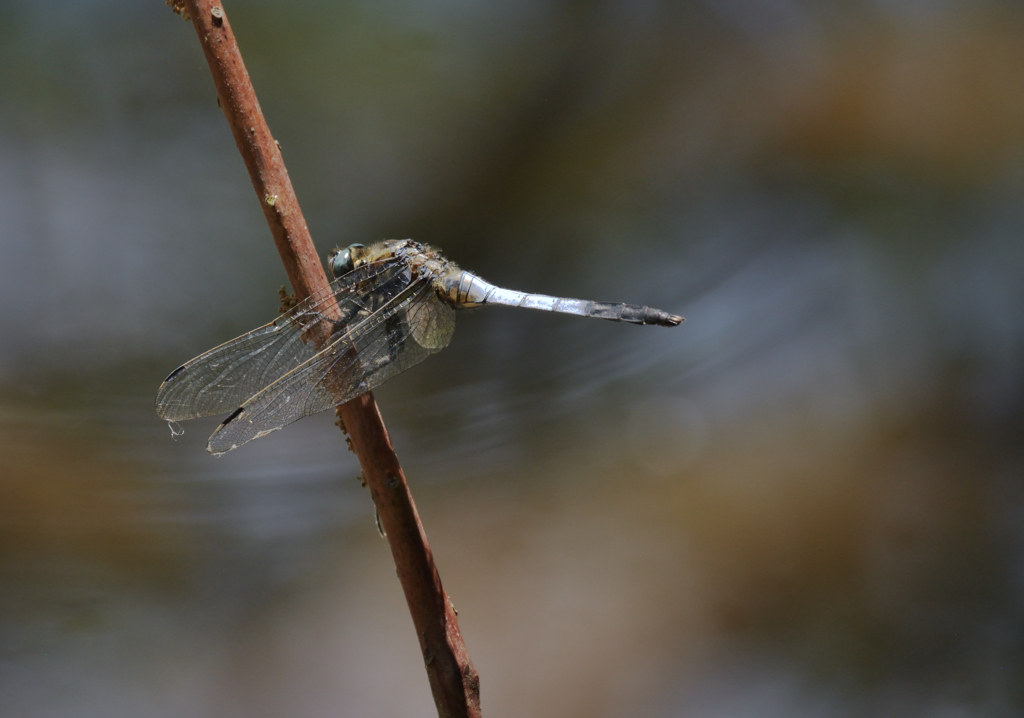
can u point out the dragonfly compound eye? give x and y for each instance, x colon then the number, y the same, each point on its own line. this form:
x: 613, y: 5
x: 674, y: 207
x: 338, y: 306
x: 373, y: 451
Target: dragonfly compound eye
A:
x: 340, y: 261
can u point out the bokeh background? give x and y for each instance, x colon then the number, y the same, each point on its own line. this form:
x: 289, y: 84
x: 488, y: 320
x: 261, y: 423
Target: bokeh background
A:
x: 806, y: 501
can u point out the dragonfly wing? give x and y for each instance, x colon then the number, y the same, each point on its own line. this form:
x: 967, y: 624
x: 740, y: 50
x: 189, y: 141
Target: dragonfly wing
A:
x: 414, y: 324
x: 221, y: 379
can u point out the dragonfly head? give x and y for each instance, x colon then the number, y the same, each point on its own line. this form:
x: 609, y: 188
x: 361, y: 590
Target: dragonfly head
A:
x: 342, y: 261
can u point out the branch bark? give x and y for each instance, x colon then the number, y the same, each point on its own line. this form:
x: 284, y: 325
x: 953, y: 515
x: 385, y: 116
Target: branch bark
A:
x: 453, y: 680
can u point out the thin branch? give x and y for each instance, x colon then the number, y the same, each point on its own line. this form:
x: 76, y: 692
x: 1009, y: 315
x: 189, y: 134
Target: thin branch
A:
x: 453, y: 680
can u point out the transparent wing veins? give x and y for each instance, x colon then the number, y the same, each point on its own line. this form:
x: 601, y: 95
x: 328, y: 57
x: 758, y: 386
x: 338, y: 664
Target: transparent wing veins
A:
x: 222, y: 378
x: 363, y: 355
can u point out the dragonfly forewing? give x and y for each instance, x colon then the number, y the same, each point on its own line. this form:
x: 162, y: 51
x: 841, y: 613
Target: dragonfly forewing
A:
x: 407, y: 329
x: 221, y: 379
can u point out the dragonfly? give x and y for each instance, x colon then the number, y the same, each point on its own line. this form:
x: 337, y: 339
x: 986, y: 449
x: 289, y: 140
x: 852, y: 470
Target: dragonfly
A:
x: 389, y: 306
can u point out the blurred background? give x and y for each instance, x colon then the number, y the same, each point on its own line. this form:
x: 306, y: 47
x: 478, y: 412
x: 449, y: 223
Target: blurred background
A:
x: 805, y: 501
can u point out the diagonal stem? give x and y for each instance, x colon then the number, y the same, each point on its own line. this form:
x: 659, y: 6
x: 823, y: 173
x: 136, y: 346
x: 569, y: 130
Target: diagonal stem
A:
x: 453, y: 680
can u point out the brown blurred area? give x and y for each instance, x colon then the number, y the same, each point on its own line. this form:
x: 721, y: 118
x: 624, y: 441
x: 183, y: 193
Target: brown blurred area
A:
x: 806, y: 500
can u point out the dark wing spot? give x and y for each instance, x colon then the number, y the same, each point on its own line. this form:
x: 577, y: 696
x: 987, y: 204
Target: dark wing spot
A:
x: 232, y: 416
x: 174, y: 373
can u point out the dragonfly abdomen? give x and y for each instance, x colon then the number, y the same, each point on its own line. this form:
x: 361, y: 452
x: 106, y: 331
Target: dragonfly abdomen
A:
x: 468, y: 290
x: 632, y: 313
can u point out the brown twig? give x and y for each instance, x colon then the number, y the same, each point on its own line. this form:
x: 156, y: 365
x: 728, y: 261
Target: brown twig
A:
x: 453, y: 680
